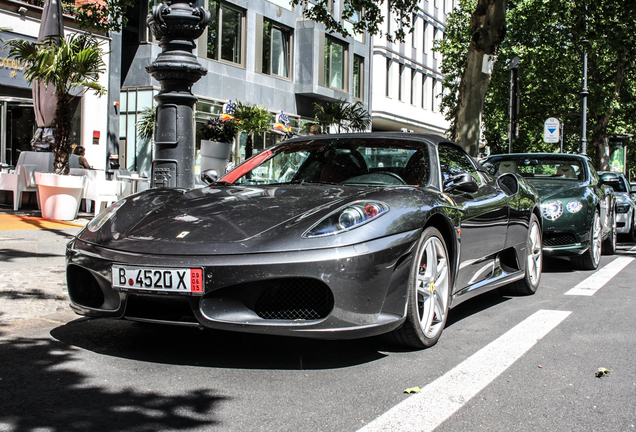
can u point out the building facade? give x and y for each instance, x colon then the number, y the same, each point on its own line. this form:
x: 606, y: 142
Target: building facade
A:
x: 407, y: 78
x: 260, y: 52
x: 17, y: 121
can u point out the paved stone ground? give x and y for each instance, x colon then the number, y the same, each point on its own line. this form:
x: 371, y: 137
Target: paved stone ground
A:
x: 32, y: 292
x: 32, y: 271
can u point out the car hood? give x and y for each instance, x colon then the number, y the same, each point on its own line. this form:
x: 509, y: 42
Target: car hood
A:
x: 557, y: 188
x: 220, y: 219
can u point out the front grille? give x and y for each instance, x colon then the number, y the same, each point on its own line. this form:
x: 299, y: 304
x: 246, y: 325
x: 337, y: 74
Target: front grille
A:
x: 294, y: 299
x: 553, y: 240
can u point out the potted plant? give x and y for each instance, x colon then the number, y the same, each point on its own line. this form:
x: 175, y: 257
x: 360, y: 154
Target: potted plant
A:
x: 216, y: 144
x: 74, y: 63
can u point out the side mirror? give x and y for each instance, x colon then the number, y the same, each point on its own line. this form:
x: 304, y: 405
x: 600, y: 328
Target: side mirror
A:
x: 463, y: 182
x: 209, y: 176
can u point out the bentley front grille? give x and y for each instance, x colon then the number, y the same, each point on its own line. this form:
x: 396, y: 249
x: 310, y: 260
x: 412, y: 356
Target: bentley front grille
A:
x: 555, y: 240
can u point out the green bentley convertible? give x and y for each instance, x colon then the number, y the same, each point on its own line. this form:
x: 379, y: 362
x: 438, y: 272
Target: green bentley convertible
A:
x: 579, y: 211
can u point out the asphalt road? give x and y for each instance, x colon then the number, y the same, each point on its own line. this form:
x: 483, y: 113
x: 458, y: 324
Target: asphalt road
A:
x: 65, y: 373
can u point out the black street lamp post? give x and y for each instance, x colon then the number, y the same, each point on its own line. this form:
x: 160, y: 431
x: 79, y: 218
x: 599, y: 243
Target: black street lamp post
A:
x: 176, y: 24
x: 584, y: 93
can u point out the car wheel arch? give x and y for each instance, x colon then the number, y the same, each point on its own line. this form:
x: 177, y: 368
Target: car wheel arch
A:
x: 449, y: 233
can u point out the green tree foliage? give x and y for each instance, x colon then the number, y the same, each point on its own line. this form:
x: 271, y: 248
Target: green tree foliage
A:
x: 548, y: 36
x: 370, y: 21
x: 146, y: 123
x: 107, y: 16
x: 341, y: 116
x: 74, y: 63
x: 252, y: 119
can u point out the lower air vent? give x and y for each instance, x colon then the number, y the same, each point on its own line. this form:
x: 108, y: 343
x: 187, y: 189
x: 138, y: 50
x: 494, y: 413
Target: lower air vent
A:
x: 294, y: 299
x: 554, y: 240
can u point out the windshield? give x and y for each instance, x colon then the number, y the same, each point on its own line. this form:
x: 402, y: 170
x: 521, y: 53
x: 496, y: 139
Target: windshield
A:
x: 359, y: 162
x: 536, y: 167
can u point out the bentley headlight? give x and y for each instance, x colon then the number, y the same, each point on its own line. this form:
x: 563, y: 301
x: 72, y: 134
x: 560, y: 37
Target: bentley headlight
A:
x: 347, y: 218
x: 622, y: 208
x: 574, y: 206
x: 552, y: 210
x: 104, y: 216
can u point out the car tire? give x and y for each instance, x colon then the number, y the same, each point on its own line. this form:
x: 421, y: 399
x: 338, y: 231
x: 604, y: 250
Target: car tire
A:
x: 592, y: 256
x: 609, y: 245
x: 534, y: 262
x: 428, y: 294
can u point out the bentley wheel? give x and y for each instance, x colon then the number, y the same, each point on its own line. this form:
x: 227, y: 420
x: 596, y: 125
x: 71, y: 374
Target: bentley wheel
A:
x: 592, y: 256
x: 534, y: 262
x: 609, y: 245
x: 428, y: 294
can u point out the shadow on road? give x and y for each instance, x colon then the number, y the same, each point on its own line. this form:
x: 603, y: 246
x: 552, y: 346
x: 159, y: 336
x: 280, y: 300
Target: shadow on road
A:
x: 211, y: 348
x: 41, y: 391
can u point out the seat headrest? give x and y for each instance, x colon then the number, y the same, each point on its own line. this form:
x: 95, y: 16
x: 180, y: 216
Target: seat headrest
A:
x: 566, y: 171
x: 508, y: 167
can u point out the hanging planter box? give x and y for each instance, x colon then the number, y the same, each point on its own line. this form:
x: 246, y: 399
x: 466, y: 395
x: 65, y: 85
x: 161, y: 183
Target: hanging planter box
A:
x: 59, y: 195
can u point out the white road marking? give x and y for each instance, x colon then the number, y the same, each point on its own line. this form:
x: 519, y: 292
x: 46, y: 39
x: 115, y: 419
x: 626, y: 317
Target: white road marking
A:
x: 440, y: 399
x: 595, y: 282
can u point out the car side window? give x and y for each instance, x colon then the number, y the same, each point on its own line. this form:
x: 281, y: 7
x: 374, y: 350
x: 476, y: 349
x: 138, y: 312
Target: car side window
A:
x: 454, y: 161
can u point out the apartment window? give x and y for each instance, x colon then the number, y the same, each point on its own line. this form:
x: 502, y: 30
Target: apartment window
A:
x: 435, y: 37
x: 413, y: 73
x: 276, y: 51
x: 435, y: 94
x: 225, y: 32
x: 387, y: 85
x: 414, y: 31
x: 335, y: 63
x: 358, y: 70
x: 424, y: 32
x: 401, y: 82
x: 424, y: 92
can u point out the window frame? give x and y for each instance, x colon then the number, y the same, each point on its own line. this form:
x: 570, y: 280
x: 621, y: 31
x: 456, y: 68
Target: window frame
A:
x: 359, y: 86
x: 218, y: 56
x: 288, y: 34
x: 328, y: 63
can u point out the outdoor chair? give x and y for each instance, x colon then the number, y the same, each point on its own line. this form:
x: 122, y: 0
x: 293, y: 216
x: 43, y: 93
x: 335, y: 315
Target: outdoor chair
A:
x: 23, y: 179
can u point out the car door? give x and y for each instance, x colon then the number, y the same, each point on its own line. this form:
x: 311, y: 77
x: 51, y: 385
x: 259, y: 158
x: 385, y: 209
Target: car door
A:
x: 484, y: 217
x: 605, y: 195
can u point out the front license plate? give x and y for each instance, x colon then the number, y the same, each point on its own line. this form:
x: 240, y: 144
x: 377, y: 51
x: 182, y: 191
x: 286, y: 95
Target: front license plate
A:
x: 181, y: 280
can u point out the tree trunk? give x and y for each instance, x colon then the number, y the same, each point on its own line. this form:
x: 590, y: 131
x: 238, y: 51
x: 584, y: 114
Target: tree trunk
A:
x: 63, y: 124
x: 488, y: 27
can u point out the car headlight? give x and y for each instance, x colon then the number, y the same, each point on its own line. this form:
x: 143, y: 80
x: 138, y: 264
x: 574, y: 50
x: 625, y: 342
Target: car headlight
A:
x: 574, y: 206
x: 104, y: 216
x: 347, y: 218
x: 622, y: 208
x: 552, y: 210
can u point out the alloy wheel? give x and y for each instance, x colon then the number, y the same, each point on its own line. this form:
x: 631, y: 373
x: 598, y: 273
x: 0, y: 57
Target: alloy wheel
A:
x: 432, y: 284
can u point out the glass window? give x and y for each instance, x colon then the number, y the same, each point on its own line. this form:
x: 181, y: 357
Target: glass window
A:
x: 358, y: 70
x: 387, y: 85
x: 335, y: 61
x: 364, y: 163
x: 413, y: 86
x: 276, y: 52
x: 453, y: 161
x: 401, y: 81
x: 225, y: 32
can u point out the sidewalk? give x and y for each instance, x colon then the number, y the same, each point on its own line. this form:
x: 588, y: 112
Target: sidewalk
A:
x: 32, y: 271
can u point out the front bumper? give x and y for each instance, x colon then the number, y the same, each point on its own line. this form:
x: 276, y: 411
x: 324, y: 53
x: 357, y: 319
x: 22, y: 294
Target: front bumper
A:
x: 356, y: 291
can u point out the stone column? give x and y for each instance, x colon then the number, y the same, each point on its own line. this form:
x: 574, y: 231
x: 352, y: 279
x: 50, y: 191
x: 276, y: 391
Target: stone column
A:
x: 176, y: 25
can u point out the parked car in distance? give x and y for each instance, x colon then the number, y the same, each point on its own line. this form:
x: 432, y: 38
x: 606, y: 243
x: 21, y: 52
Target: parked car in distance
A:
x: 579, y: 212
x: 325, y: 236
x: 625, y: 205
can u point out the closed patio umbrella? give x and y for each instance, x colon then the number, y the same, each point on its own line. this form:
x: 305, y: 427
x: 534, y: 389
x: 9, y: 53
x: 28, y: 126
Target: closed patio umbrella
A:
x: 44, y: 99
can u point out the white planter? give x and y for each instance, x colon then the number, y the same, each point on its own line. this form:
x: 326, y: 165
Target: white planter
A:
x: 60, y: 195
x: 214, y: 155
